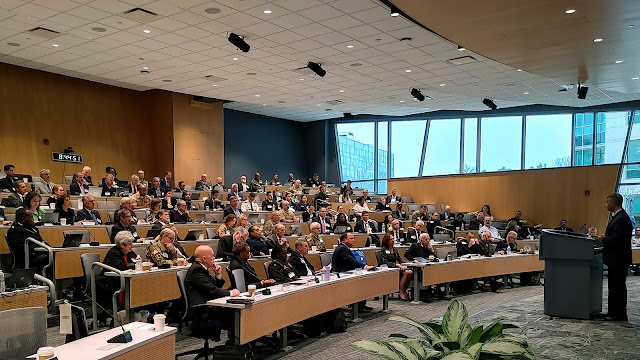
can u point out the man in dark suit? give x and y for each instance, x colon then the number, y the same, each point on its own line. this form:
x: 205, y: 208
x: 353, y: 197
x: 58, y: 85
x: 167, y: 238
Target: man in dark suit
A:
x: 309, y: 214
x: 393, y: 198
x: 321, y: 218
x: 398, y: 234
x: 314, y: 180
x: 88, y: 212
x: 344, y: 260
x: 508, y: 244
x: 7, y: 183
x: 299, y: 261
x: 616, y: 254
x: 400, y: 212
x: 163, y: 219
x: 225, y: 245
x: 77, y: 186
x: 16, y: 198
x: 447, y: 215
x: 201, y: 286
x: 108, y: 189
x: 421, y: 249
x: 155, y: 190
x: 240, y: 260
x: 563, y: 226
x: 365, y: 225
x: 124, y: 224
x: 182, y: 214
x: 21, y: 229
x: 165, y: 183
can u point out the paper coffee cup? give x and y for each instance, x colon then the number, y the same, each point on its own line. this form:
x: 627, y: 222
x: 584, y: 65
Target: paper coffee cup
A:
x: 314, y: 248
x: 180, y: 262
x: 146, y: 265
x: 52, y: 206
x: 335, y: 246
x: 431, y: 257
x: 63, y: 222
x: 251, y: 289
x: 158, y: 322
x: 25, y: 180
x: 45, y: 353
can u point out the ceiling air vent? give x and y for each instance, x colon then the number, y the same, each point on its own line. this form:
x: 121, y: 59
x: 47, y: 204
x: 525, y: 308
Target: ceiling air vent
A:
x: 335, y: 102
x: 140, y: 15
x: 462, y: 60
x: 44, y: 33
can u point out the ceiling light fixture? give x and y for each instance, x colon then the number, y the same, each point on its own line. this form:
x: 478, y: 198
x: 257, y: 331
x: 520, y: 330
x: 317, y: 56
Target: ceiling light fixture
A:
x: 267, y: 11
x: 395, y: 11
x: 317, y: 68
x: 257, y: 95
x: 214, y: 85
x: 401, y: 101
x: 619, y: 61
x: 340, y: 91
x: 146, y: 31
x: 597, y: 40
x: 408, y: 70
x: 460, y: 48
x: 55, y: 45
x: 145, y: 68
x: 443, y: 84
x: 417, y: 94
x: 635, y: 78
x: 349, y: 46
x: 489, y: 103
x: 239, y: 42
x: 301, y: 79
x: 13, y: 44
x: 570, y: 11
x: 519, y: 70
x: 235, y: 59
x: 525, y: 93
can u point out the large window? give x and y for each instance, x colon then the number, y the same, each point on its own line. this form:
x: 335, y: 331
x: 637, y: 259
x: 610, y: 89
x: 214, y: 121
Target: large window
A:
x: 443, y: 148
x: 356, y: 149
x: 470, y: 145
x: 543, y: 130
x: 583, y: 140
x: 407, y: 138
x: 500, y: 144
x: 611, y: 133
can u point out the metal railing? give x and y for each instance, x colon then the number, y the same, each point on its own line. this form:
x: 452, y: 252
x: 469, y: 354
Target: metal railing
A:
x: 115, y: 295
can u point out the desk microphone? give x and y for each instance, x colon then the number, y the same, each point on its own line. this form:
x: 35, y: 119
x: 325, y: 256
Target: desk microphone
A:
x: 94, y: 242
x: 125, y: 337
x: 583, y: 226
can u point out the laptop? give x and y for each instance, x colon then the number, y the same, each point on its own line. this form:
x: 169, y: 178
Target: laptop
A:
x: 195, y: 196
x: 20, y: 278
x: 193, y: 234
x: 152, y: 233
x: 72, y: 240
x: 50, y: 218
x: 253, y: 218
x: 294, y: 230
x: 122, y: 183
x: 359, y: 254
x: 341, y: 229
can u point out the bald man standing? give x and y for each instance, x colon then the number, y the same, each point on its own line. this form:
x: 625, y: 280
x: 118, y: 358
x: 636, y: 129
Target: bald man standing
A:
x: 201, y: 287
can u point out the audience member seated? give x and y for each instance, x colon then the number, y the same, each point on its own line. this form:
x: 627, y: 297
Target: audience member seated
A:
x: 214, y: 202
x: 483, y: 247
x: 2, y: 221
x: 16, y: 198
x: 270, y: 225
x: 413, y: 235
x: 125, y: 203
x: 344, y: 260
x: 495, y: 234
x: 275, y: 181
x: 161, y: 250
x: 447, y: 215
x: 44, y: 186
x: 163, y: 219
x: 296, y: 187
x: 421, y: 214
x: 256, y: 184
x: 290, y: 179
x: 321, y: 218
x: 125, y: 218
x: 86, y: 173
x: 433, y: 223
x: 563, y: 226
x: 234, y: 193
x: 203, y: 184
x: 134, y: 186
x: 393, y: 198
x: 390, y: 257
x: 155, y: 191
x: 287, y: 215
x: 346, y: 187
x: 509, y: 244
x: 486, y: 210
x: 309, y: 214
x: 141, y: 178
x: 299, y: 261
x: 399, y: 212
x: 108, y: 188
x: 186, y: 196
x: 458, y: 222
x: 226, y: 243
x: 78, y: 186
x: 140, y: 200
x: 256, y: 242
x: 88, y: 212
x: 303, y: 204
x: 365, y: 225
x: 200, y: 287
x: 269, y: 204
x: 228, y: 223
x: 313, y: 237
x: 167, y: 202
x: 321, y: 198
x: 386, y: 224
x: 288, y: 197
x: 360, y: 206
x: 154, y: 208
x: 240, y: 260
x: 109, y: 171
x: 58, y: 190
x: 7, y: 183
x: 277, y: 238
x: 345, y: 197
x: 32, y: 202
x: 341, y: 220
x: 635, y: 240
x: 525, y: 231
x: 233, y: 207
x: 398, y: 234
x: 219, y: 186
x: 22, y: 228
x: 314, y: 180
x: 165, y: 183
x: 512, y: 225
x: 243, y: 222
x: 421, y: 249
x: 244, y: 187
x: 517, y: 218
x: 250, y: 204
x: 176, y: 241
x: 477, y: 223
x: 365, y: 195
x: 464, y: 245
x: 63, y: 207
x: 182, y: 187
x: 280, y: 270
x: 382, y: 205
x: 181, y: 214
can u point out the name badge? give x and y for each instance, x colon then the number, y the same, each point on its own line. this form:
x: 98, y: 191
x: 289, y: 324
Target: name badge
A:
x: 135, y: 234
x: 107, y: 194
x: 165, y: 255
x: 291, y: 275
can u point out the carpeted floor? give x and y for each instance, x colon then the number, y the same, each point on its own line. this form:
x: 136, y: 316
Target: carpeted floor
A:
x: 551, y: 338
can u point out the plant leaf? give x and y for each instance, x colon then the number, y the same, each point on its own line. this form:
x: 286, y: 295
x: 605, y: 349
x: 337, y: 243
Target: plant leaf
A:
x: 457, y: 355
x: 475, y: 334
x: 378, y: 348
x: 428, y: 332
x: 410, y: 349
x: 452, y: 345
x: 509, y: 326
x: 454, y: 320
x: 505, y: 346
x: 465, y: 335
x: 401, y: 336
x: 435, y: 325
x: 474, y: 350
x: 490, y: 331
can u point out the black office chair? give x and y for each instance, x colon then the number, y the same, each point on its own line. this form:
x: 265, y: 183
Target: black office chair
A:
x: 195, y: 331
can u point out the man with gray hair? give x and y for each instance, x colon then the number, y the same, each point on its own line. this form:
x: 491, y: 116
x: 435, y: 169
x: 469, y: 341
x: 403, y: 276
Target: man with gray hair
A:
x: 277, y: 238
x: 203, y: 184
x: 124, y: 224
x: 155, y: 190
x: 108, y: 188
x: 508, y: 245
x: 78, y: 186
x: 86, y: 172
x: 286, y: 213
x: 88, y: 211
x: 181, y: 215
x: 44, y: 186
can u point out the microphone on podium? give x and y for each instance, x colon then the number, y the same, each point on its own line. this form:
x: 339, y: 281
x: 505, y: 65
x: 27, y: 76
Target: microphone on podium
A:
x: 125, y: 337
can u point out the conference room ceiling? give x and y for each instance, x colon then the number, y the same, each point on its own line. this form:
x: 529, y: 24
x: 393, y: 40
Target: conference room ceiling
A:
x: 185, y: 49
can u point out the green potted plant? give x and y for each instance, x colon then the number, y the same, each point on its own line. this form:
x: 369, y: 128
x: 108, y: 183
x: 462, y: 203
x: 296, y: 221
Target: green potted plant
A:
x: 452, y: 339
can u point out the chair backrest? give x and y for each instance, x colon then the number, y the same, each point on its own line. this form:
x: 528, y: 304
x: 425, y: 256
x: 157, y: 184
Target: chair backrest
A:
x: 68, y: 179
x: 214, y: 247
x: 468, y: 217
x: 238, y: 280
x: 78, y: 324
x: 441, y: 237
x: 266, y: 268
x: 15, y: 260
x: 109, y: 230
x: 407, y: 199
x: 24, y: 340
x: 212, y: 233
x: 442, y: 206
x: 181, y: 276
x: 141, y: 214
x: 86, y: 260
x: 379, y: 256
x: 431, y: 208
x: 325, y: 259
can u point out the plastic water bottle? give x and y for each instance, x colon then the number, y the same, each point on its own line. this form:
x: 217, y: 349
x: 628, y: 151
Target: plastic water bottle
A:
x: 138, y: 264
x: 1, y: 281
x: 508, y: 249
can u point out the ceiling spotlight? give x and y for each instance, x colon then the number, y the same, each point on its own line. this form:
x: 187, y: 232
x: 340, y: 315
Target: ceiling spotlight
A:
x: 525, y: 93
x: 316, y: 68
x: 267, y: 11
x: 489, y: 103
x: 582, y: 92
x: 443, y: 84
x: 349, y: 46
x: 597, y: 40
x: 519, y: 70
x: 417, y: 94
x: 635, y: 78
x: 257, y: 95
x: 619, y: 61
x: 401, y: 101
x: 214, y: 85
x: 145, y: 68
x: 395, y: 11
x: 460, y: 48
x: 340, y: 91
x: 570, y: 11
x: 301, y: 79
x: 408, y: 70
x: 239, y: 42
x: 235, y: 59
x: 146, y: 31
x: 55, y: 45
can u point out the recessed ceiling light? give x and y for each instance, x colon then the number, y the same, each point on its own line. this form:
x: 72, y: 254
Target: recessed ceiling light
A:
x: 301, y: 79
x: 635, y: 78
x: 98, y: 29
x: 519, y: 70
x: 570, y: 11
x: 408, y: 70
x: 341, y: 91
x: 460, y: 48
x: 525, y: 93
x: 597, y: 40
x: 631, y: 26
x: 619, y: 61
x: 146, y: 31
x: 13, y: 44
x: 145, y: 68
x: 212, y: 10
x: 267, y: 11
x: 214, y: 85
x: 55, y: 45
x: 395, y: 11
x: 257, y: 95
x: 235, y: 59
x: 443, y: 84
x: 349, y: 46
x: 326, y: 113
x: 401, y: 101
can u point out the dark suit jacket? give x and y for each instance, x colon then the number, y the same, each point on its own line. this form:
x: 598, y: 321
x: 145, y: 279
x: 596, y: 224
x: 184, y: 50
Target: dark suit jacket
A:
x: 431, y: 226
x: 155, y: 193
x: 401, y: 235
x: 120, y: 227
x: 306, y: 216
x: 111, y: 190
x: 617, y: 241
x: 398, y: 199
x: 107, y: 285
x: 269, y: 205
x: 157, y: 226
x: 344, y: 260
x: 176, y: 217
x: 209, y: 203
x: 7, y: 183
x: 228, y: 210
x: 417, y: 250
x: 85, y: 215
x: 250, y: 275
x: 130, y: 189
x: 296, y: 262
x: 327, y: 222
x: 165, y: 185
x: 74, y: 189
x: 225, y: 245
x: 238, y: 195
x: 16, y: 235
x: 282, y: 272
x: 443, y: 216
x: 383, y: 207
x: 400, y: 214
x: 502, y: 246
x: 391, y: 259
x: 256, y: 246
x: 568, y: 229
x: 360, y: 226
x: 201, y: 286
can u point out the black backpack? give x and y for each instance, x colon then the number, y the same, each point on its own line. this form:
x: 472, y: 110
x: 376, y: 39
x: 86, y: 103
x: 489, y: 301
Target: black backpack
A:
x: 334, y: 321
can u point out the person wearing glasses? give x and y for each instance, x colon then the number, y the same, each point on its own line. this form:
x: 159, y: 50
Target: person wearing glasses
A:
x: 124, y: 224
x: 88, y: 213
x: 78, y: 186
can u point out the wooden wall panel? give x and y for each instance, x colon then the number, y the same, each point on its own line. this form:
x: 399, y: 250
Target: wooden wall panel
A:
x: 545, y: 195
x: 198, y: 131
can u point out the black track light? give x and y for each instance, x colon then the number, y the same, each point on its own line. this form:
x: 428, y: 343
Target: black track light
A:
x: 316, y: 68
x: 239, y: 42
x: 490, y: 103
x: 395, y: 11
x: 417, y: 94
x: 582, y: 92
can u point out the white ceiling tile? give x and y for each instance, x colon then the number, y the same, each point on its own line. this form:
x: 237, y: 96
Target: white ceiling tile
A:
x: 124, y: 37
x: 224, y: 10
x: 285, y: 37
x: 171, y: 39
x: 305, y: 45
x: 258, y: 11
x: 58, y: 5
x: 162, y: 8
x: 150, y: 44
x: 332, y: 38
x: 263, y: 29
x: 238, y: 20
x: 35, y: 10
x: 110, y: 6
x: 341, y: 22
x: 321, y: 13
x: 392, y: 23
x: 312, y: 30
x: 192, y: 33
x: 119, y: 22
x: 167, y: 24
x: 194, y: 46
x: 189, y: 18
x: 372, y: 15
x: 68, y: 20
x: 88, y: 13
x: 394, y: 47
x: 297, y: 5
x: 291, y: 20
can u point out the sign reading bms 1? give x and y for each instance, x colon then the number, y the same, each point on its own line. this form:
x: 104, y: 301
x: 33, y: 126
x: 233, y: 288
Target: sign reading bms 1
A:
x: 67, y: 158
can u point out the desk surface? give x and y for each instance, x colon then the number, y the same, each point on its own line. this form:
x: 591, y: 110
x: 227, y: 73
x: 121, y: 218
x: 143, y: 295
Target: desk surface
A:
x: 31, y: 297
